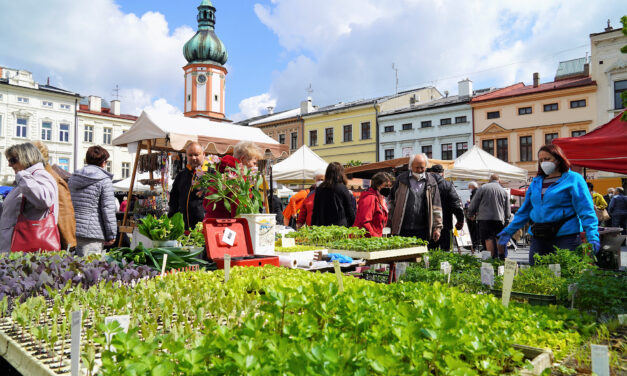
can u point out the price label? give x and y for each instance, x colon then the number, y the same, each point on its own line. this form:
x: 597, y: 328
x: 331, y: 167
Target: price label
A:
x: 338, y: 274
x: 75, y: 347
x: 445, y: 268
x: 600, y: 360
x: 165, y: 260
x: 386, y: 231
x: 427, y: 262
x: 556, y: 269
x: 501, y: 270
x: 508, y: 279
x: 227, y: 267
x: 229, y: 236
x: 487, y: 274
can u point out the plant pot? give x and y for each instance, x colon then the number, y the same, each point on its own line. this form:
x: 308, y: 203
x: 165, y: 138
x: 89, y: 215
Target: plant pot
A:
x: 165, y: 243
x: 262, y: 229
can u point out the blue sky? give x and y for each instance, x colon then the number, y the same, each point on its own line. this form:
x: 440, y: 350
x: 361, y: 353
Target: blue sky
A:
x: 343, y: 48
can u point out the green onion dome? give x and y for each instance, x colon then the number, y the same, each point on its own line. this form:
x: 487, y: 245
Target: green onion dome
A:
x: 205, y: 46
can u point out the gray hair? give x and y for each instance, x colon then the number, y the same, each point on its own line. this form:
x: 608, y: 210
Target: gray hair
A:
x: 413, y: 156
x: 27, y: 154
x: 319, y: 172
x: 473, y: 184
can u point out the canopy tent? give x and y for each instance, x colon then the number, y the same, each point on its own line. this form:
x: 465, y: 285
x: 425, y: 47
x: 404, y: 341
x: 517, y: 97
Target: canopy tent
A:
x: 173, y: 132
x: 476, y: 164
x: 368, y: 170
x: 125, y: 184
x: 298, y: 167
x: 604, y: 149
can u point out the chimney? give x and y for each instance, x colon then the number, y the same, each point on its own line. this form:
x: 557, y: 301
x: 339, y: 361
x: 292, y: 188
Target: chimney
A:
x: 609, y: 27
x: 270, y: 110
x: 446, y: 93
x: 412, y: 100
x: 115, y: 107
x: 306, y: 106
x: 536, y: 79
x: 95, y: 103
x: 464, y: 88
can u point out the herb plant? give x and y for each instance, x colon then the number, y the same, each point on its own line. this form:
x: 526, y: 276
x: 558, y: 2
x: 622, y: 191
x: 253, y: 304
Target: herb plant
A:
x: 377, y: 244
x: 153, y: 257
x: 163, y: 228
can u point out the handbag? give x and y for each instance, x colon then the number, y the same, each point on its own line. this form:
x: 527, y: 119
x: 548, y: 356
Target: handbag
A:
x: 602, y: 214
x: 548, y: 230
x: 35, y: 235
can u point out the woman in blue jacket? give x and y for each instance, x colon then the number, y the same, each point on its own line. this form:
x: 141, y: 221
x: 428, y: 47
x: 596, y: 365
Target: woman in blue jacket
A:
x: 558, y: 204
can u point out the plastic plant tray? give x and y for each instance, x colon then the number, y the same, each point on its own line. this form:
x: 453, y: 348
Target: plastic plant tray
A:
x: 382, y: 255
x: 532, y: 299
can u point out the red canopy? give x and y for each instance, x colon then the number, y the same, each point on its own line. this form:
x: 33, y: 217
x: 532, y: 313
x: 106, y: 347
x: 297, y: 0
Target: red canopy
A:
x: 604, y: 149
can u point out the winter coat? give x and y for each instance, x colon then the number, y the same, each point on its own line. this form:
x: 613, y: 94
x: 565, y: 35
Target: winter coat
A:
x: 94, y: 203
x: 491, y: 203
x: 276, y: 207
x: 618, y: 205
x: 66, y: 222
x: 451, y: 204
x: 567, y: 196
x: 398, y: 200
x: 185, y: 200
x: 333, y: 206
x: 40, y: 192
x: 372, y: 212
x: 306, y: 210
x: 294, y: 205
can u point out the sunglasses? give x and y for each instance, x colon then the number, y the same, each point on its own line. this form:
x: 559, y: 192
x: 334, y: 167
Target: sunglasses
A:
x: 12, y: 160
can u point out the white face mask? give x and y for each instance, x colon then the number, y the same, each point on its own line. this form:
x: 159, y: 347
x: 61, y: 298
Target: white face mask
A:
x: 548, y: 167
x: 318, y: 183
x: 419, y: 176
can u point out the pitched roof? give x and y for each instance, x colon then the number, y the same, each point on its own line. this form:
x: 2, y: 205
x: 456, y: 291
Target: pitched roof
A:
x: 520, y: 88
x: 83, y: 109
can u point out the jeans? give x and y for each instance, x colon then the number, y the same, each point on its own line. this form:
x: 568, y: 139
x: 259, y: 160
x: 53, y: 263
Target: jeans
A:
x: 545, y: 247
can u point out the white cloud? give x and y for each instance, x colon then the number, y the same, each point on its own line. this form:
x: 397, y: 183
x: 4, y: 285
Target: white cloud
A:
x: 91, y: 46
x: 254, y: 106
x: 161, y: 106
x: 345, y: 48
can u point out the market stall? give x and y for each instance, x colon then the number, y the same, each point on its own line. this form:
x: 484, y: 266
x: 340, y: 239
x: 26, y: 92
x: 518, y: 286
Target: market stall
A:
x: 299, y: 167
x: 476, y: 164
x: 366, y: 171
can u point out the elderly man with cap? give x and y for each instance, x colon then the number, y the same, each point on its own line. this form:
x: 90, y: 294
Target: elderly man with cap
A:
x: 414, y: 203
x: 183, y: 198
x: 451, y: 205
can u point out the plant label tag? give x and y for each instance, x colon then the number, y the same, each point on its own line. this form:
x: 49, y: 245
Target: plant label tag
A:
x: 386, y: 231
x: 229, y: 236
x: 485, y: 255
x: 508, y: 280
x: 227, y: 267
x: 572, y: 291
x: 445, y: 267
x: 123, y: 320
x: 338, y: 273
x: 165, y: 261
x: 487, y: 274
x: 556, y: 269
x: 622, y: 319
x: 501, y: 270
x: 427, y: 262
x: 288, y: 242
x: 75, y: 347
x: 600, y: 360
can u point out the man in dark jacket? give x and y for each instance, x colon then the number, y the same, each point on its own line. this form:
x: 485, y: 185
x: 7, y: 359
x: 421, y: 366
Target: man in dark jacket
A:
x: 414, y: 203
x: 183, y: 198
x: 451, y: 205
x: 492, y: 210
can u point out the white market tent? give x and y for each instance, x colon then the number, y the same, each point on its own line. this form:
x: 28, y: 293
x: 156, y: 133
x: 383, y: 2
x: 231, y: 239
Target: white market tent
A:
x: 125, y: 184
x: 298, y: 167
x: 476, y: 164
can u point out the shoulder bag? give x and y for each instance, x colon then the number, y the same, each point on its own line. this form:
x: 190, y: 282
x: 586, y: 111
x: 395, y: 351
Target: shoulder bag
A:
x: 35, y: 235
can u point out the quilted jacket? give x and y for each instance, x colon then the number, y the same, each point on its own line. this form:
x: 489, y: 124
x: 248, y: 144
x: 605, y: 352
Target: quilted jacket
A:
x: 94, y: 204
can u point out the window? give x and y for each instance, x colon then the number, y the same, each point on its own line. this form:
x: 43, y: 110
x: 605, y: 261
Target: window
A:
x: 619, y: 88
x: 461, y: 119
x: 294, y: 140
x: 577, y: 104
x: 22, y: 126
x: 577, y: 133
x: 46, y: 131
x: 89, y: 133
x: 502, y: 151
x: 447, y: 151
x: 126, y: 170
x: 328, y: 135
x: 488, y: 146
x: 348, y: 133
x: 550, y: 137
x: 389, y: 154
x: 425, y: 124
x: 388, y: 129
x: 107, y: 136
x: 551, y: 107
x: 46, y: 104
x: 64, y: 132
x: 524, y: 111
x: 494, y: 114
x: 313, y: 138
x: 64, y: 163
x: 22, y: 100
x: 445, y: 121
x: 407, y: 126
x: 365, y: 131
x: 108, y: 166
x: 428, y: 151
x: 525, y: 149
x: 65, y: 107
x: 282, y: 138
x: 462, y: 147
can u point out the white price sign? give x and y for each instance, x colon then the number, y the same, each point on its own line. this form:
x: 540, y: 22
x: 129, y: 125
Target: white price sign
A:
x: 508, y: 280
x: 229, y: 236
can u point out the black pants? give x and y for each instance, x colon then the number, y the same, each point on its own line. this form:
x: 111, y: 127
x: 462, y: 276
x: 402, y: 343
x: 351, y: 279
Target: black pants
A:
x: 445, y: 239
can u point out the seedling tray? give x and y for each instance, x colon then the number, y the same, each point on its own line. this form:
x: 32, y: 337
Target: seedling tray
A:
x: 382, y: 255
x: 532, y: 299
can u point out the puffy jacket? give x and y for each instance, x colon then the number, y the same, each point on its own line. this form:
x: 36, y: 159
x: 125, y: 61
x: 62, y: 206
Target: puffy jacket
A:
x: 491, y: 203
x: 94, y: 203
x: 306, y: 210
x: 618, y: 205
x: 372, y: 212
x: 451, y: 204
x: 294, y: 205
x: 567, y: 196
x: 40, y: 192
x: 66, y: 222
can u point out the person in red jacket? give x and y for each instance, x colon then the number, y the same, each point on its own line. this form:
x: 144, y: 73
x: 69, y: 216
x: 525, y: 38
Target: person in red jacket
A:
x: 372, y: 210
x: 306, y: 209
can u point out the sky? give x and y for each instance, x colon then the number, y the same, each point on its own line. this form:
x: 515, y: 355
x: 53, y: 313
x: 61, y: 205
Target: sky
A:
x: 343, y: 49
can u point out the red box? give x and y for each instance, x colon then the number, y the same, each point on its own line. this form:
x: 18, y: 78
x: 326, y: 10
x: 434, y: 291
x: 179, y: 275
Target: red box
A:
x: 242, y: 249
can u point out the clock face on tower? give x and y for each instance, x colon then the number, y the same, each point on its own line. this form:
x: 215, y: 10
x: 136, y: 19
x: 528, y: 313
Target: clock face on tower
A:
x: 201, y: 79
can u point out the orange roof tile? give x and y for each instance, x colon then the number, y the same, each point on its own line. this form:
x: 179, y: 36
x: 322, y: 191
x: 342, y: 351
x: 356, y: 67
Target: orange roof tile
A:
x: 522, y: 89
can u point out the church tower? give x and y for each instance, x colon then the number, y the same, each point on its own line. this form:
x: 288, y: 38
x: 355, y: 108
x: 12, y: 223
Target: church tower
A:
x: 205, y: 74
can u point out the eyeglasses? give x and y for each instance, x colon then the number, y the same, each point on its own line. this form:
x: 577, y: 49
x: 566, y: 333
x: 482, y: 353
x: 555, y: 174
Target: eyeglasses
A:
x: 12, y: 160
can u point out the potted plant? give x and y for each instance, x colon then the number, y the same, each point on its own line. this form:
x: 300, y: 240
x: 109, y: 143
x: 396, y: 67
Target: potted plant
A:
x: 195, y: 240
x: 163, y: 231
